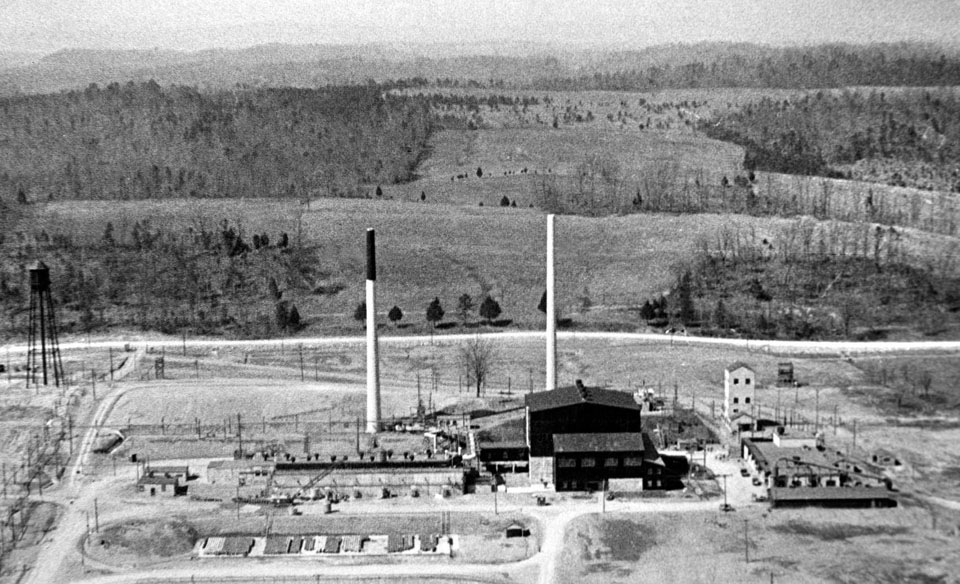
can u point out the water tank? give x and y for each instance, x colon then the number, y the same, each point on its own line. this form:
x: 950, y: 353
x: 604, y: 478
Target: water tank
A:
x: 39, y: 277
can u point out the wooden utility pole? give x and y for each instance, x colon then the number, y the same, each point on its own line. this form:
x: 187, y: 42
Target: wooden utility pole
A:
x: 96, y: 515
x: 111, y: 363
x: 746, y: 541
x: 300, y: 348
x: 239, y: 436
x: 816, y: 423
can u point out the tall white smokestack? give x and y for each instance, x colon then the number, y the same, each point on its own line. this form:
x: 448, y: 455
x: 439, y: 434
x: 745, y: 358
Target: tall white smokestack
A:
x: 551, y: 313
x: 373, y: 358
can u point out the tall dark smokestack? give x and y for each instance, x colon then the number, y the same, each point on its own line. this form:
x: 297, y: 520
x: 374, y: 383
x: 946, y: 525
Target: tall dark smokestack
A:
x: 373, y: 358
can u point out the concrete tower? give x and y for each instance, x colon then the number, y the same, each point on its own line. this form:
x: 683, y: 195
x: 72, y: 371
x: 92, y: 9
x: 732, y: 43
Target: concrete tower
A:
x: 551, y: 313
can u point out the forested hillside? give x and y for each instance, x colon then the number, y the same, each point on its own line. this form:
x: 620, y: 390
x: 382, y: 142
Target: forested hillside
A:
x: 143, y: 141
x: 902, y: 138
x: 724, y: 65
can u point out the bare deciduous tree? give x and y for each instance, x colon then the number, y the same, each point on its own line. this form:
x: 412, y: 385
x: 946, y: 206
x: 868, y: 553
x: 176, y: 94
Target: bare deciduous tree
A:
x: 476, y: 358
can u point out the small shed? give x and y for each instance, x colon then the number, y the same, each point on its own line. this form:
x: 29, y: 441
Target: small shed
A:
x: 161, y: 485
x: 517, y: 530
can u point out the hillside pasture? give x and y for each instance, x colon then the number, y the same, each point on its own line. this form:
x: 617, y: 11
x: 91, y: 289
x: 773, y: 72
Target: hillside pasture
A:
x: 426, y: 251
x: 503, y: 154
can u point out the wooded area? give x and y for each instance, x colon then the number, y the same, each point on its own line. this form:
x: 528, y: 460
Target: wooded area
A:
x: 901, y: 138
x: 143, y: 141
x: 810, y: 280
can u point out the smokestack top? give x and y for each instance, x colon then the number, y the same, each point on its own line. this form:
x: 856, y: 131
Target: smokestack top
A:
x: 371, y: 255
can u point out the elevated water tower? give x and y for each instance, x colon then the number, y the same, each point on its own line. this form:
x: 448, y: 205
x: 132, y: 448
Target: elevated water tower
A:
x: 43, y: 325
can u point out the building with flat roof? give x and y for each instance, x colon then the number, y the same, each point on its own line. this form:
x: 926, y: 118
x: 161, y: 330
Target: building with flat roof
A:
x: 832, y: 497
x: 813, y: 472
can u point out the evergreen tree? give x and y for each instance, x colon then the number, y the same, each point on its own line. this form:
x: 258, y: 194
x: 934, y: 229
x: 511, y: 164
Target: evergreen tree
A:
x: 395, y: 314
x: 108, y: 239
x: 647, y: 311
x: 687, y: 312
x: 434, y: 312
x: 489, y: 309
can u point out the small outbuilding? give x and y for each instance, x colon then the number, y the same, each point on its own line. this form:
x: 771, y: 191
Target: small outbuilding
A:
x: 161, y: 485
x: 517, y: 530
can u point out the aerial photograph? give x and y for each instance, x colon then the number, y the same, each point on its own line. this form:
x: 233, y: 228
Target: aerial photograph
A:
x: 503, y: 291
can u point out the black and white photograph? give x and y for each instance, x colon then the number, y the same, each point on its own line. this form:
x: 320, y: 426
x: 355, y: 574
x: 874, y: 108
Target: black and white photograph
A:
x: 493, y: 292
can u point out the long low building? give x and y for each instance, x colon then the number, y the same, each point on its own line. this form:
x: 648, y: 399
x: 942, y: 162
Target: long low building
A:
x: 832, y: 497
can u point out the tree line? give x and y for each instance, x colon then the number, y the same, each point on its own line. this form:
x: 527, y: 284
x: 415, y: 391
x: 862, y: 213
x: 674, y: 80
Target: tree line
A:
x: 833, y: 65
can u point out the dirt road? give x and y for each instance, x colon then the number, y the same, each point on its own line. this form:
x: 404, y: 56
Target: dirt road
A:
x: 799, y: 347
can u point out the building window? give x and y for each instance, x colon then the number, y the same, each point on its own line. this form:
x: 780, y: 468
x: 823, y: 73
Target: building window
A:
x: 736, y: 381
x: 746, y: 400
x: 611, y: 461
x: 736, y: 400
x: 566, y: 462
x: 633, y: 461
x: 735, y: 410
x: 588, y: 462
x: 746, y: 381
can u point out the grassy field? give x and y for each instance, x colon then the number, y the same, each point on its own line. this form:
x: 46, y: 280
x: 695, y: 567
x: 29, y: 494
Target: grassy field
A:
x: 548, y: 152
x: 792, y: 546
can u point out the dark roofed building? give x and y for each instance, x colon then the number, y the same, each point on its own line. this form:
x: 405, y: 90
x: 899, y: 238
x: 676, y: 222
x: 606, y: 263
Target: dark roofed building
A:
x: 589, y: 461
x: 577, y: 410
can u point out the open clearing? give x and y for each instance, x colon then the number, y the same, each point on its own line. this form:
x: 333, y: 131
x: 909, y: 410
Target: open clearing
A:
x: 806, y: 545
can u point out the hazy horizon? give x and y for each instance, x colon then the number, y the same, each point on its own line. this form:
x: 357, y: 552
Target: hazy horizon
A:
x: 45, y: 26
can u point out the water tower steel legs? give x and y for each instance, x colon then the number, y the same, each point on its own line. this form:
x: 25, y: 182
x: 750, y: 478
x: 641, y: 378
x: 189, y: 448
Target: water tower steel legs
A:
x: 373, y: 358
x: 551, y: 312
x: 43, y: 316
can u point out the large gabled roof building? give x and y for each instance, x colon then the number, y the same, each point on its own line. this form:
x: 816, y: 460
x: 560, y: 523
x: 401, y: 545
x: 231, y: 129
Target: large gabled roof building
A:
x: 577, y: 409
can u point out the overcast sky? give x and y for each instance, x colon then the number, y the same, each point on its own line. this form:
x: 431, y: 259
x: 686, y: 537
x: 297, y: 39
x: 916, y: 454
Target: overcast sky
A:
x: 49, y: 25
